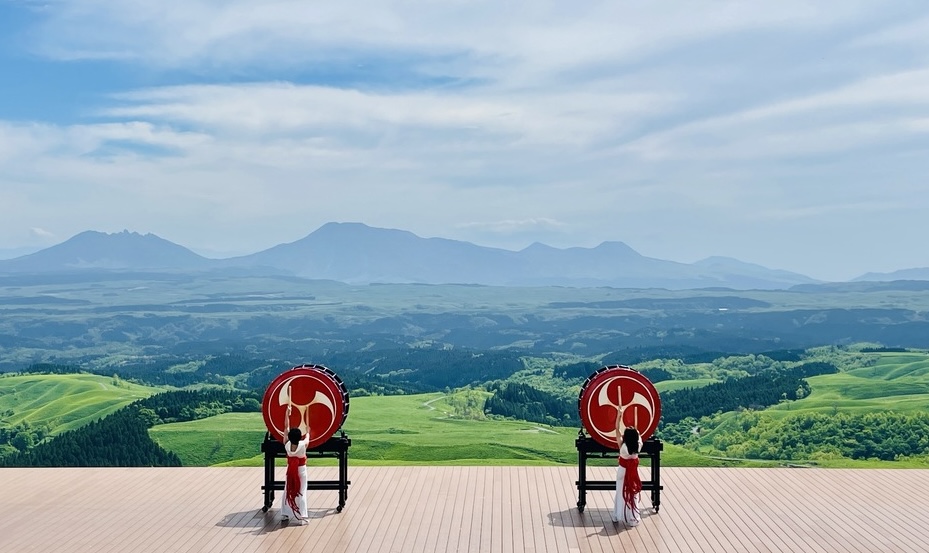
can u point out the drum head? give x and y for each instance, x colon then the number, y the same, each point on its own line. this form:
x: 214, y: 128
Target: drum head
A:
x: 618, y: 388
x: 317, y: 401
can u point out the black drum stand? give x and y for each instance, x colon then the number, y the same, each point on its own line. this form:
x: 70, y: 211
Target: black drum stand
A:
x: 336, y: 447
x: 588, y: 448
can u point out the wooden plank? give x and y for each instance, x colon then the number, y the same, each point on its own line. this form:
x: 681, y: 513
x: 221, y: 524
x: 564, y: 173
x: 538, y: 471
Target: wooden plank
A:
x: 553, y: 519
x: 512, y: 524
x: 471, y: 513
x: 409, y: 517
x: 382, y: 507
x: 488, y: 513
x: 464, y: 509
x: 497, y: 529
x: 667, y: 522
x: 730, y: 510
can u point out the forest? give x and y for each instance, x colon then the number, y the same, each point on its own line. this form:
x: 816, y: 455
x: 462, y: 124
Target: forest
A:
x: 121, y: 439
x: 882, y: 435
x: 751, y: 392
x: 770, y: 386
x: 148, y: 324
x: 118, y: 440
x: 522, y: 401
x: 210, y: 378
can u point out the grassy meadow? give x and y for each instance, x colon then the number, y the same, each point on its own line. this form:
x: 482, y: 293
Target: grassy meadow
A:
x: 890, y: 382
x: 424, y: 429
x: 66, y: 401
x: 397, y: 430
x: 875, y: 382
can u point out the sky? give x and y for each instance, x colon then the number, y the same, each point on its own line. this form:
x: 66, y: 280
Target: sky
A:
x: 790, y: 134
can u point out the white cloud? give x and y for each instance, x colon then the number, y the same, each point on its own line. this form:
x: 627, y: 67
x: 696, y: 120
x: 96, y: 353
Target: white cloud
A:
x: 510, y: 225
x: 570, y: 118
x: 42, y: 233
x: 527, y: 36
x: 682, y: 128
x: 910, y: 33
x: 846, y: 118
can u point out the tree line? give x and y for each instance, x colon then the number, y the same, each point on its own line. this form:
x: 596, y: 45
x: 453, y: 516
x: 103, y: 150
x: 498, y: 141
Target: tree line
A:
x: 522, y: 401
x: 883, y: 435
x: 753, y: 392
x: 118, y: 440
x: 121, y: 439
x: 767, y: 387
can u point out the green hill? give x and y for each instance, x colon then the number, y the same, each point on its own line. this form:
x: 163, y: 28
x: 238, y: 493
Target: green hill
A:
x: 888, y: 382
x: 64, y: 402
x: 877, y: 405
x: 873, y: 390
x: 397, y: 430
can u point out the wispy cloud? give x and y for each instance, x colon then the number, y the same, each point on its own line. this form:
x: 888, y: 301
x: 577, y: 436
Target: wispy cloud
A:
x: 42, y: 233
x: 682, y: 128
x: 849, y: 117
x: 511, y: 225
x: 528, y: 36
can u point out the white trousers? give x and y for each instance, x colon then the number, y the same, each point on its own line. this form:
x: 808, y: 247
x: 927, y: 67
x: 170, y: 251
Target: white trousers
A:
x: 621, y: 511
x: 286, y: 511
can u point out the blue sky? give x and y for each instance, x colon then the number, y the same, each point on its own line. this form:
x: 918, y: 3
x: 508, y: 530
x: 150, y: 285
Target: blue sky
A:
x: 789, y: 134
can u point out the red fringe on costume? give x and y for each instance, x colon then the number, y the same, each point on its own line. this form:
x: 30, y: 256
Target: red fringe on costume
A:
x: 293, y: 483
x: 632, y: 484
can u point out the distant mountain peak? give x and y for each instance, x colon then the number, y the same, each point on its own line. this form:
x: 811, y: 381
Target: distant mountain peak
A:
x: 357, y: 253
x: 719, y: 260
x: 352, y: 230
x: 538, y: 247
x: 616, y: 247
x: 124, y: 250
x: 916, y: 273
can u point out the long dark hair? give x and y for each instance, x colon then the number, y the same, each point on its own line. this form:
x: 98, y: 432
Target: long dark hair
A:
x: 294, y: 435
x: 631, y: 439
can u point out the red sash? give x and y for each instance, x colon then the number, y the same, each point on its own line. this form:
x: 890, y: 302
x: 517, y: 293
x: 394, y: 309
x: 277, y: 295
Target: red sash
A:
x: 293, y: 486
x: 632, y: 484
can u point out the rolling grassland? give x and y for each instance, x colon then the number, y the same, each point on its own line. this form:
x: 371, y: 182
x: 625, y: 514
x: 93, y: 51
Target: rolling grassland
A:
x: 64, y: 402
x: 872, y: 386
x: 430, y: 429
x: 398, y: 430
x: 889, y: 382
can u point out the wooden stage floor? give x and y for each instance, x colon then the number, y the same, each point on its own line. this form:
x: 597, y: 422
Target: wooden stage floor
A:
x: 494, y: 509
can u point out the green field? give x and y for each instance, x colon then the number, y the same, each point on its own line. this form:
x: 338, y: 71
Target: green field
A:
x: 891, y: 382
x: 397, y: 430
x: 671, y: 385
x: 64, y: 402
x: 423, y: 429
x: 876, y: 382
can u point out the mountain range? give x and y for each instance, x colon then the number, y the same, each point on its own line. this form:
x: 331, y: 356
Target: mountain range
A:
x: 359, y: 254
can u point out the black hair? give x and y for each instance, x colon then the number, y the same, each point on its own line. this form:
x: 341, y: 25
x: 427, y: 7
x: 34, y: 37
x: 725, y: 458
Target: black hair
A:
x: 631, y: 439
x: 294, y: 435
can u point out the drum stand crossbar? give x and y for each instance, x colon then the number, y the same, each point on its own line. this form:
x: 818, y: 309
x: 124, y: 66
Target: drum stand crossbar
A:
x: 335, y: 447
x: 588, y: 448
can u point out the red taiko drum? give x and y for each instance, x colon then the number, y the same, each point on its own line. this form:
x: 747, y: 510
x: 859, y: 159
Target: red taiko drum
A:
x: 613, y: 389
x: 309, y: 397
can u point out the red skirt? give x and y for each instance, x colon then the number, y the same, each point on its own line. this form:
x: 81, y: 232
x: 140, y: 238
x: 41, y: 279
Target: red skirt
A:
x: 632, y: 484
x: 292, y: 485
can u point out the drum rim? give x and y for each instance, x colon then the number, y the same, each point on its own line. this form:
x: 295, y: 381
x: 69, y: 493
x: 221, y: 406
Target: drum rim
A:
x: 333, y: 378
x: 343, y: 389
x: 592, y: 377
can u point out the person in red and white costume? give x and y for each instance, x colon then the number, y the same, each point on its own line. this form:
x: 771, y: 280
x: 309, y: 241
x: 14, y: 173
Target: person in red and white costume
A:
x: 628, y: 482
x: 294, y: 501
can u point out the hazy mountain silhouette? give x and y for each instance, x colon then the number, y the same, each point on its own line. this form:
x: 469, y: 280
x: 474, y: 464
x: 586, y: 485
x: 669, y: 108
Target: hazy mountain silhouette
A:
x: 98, y: 250
x: 903, y: 274
x: 10, y: 253
x: 357, y: 253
